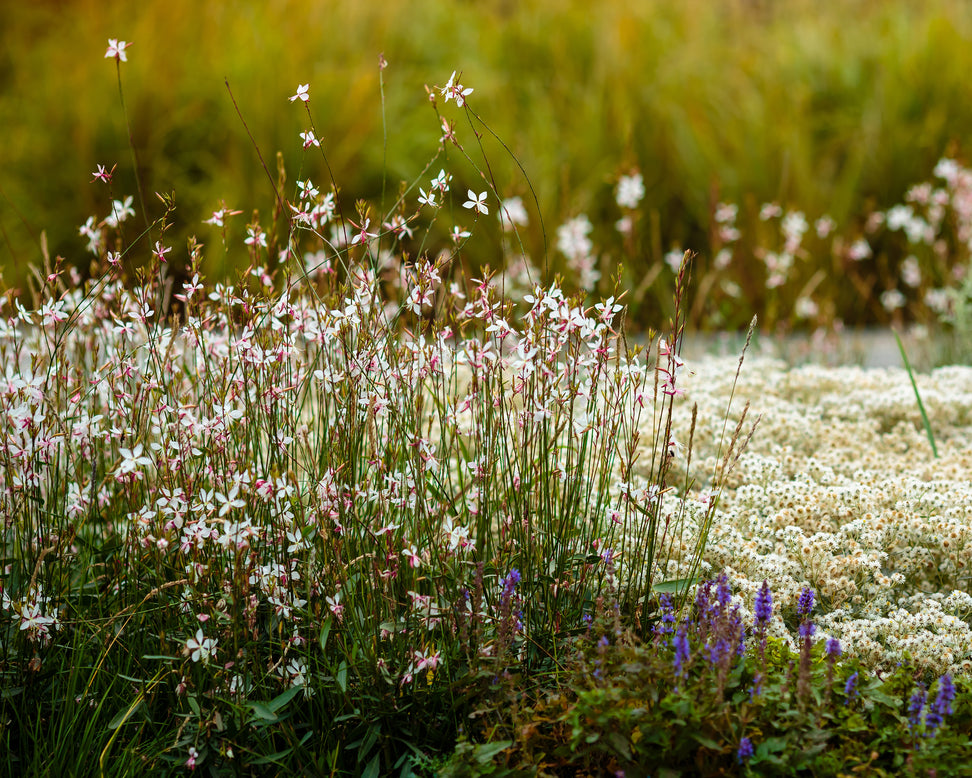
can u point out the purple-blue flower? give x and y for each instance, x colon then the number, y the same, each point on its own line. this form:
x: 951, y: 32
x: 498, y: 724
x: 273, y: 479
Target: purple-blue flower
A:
x: 681, y: 644
x: 833, y: 649
x: 666, y: 625
x: 850, y: 688
x: 915, y: 706
x: 718, y: 652
x: 805, y: 605
x: 764, y: 605
x: 941, y: 707
x: 509, y: 583
x: 745, y: 752
x: 723, y: 592
x: 702, y: 598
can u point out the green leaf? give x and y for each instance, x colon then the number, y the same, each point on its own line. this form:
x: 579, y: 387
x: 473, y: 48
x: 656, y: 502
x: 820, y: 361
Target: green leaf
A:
x: 620, y: 744
x: 368, y: 741
x: 130, y: 679
x: 262, y: 711
x: 325, y: 631
x: 272, y: 758
x: 878, y: 696
x: 674, y: 586
x: 708, y: 742
x: 161, y: 657
x: 342, y: 676
x: 374, y: 767
x: 484, y: 754
x: 921, y: 405
x: 125, y: 715
x: 283, y: 698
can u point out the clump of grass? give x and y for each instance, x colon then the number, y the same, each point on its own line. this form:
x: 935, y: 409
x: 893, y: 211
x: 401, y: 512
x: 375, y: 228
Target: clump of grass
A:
x: 302, y: 521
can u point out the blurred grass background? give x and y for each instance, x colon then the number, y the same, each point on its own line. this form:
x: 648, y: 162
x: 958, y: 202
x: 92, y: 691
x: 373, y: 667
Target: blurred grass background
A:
x: 833, y: 108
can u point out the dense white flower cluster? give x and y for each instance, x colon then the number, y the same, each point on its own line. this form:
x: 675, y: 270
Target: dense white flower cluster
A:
x: 839, y: 490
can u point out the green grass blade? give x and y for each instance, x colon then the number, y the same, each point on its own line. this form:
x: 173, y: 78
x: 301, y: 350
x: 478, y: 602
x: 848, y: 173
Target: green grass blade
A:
x: 921, y: 405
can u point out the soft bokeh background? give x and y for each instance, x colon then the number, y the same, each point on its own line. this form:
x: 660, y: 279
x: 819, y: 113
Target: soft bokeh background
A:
x: 832, y: 108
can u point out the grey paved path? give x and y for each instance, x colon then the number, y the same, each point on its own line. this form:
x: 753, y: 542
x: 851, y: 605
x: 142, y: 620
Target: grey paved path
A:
x: 865, y: 348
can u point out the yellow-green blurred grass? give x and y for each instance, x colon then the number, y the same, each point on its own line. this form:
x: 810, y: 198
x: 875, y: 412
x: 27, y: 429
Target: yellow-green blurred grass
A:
x: 828, y: 107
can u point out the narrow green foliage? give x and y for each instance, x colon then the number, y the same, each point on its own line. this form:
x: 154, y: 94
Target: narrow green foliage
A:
x: 921, y: 405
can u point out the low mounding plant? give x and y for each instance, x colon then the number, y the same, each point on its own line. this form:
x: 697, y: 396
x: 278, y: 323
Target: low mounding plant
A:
x: 708, y: 695
x: 303, y: 521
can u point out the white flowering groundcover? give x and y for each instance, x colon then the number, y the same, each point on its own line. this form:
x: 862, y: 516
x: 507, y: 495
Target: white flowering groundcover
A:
x: 839, y: 489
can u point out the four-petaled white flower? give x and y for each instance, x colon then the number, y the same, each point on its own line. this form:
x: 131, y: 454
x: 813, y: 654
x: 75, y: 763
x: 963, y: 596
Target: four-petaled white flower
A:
x: 132, y: 459
x: 230, y: 500
x: 116, y: 49
x: 309, y: 139
x: 102, y: 174
x: 363, y: 235
x: 455, y: 90
x: 607, y: 309
x: 202, y: 648
x: 476, y: 201
x: 427, y: 199
x: 301, y: 93
x: 441, y: 181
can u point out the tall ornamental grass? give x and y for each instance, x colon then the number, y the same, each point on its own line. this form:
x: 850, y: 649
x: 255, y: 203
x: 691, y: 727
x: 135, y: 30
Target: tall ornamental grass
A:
x: 305, y: 518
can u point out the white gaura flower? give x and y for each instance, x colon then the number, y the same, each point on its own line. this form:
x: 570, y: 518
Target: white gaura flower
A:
x: 201, y: 648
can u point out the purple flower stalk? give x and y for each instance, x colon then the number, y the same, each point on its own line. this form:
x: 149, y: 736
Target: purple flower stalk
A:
x: 723, y: 592
x: 833, y: 649
x: 915, y: 706
x: 509, y: 583
x: 805, y: 605
x: 850, y: 688
x: 941, y: 707
x: 946, y: 694
x: 745, y: 752
x: 666, y: 625
x: 718, y: 653
x: 681, y: 644
x: 764, y: 606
